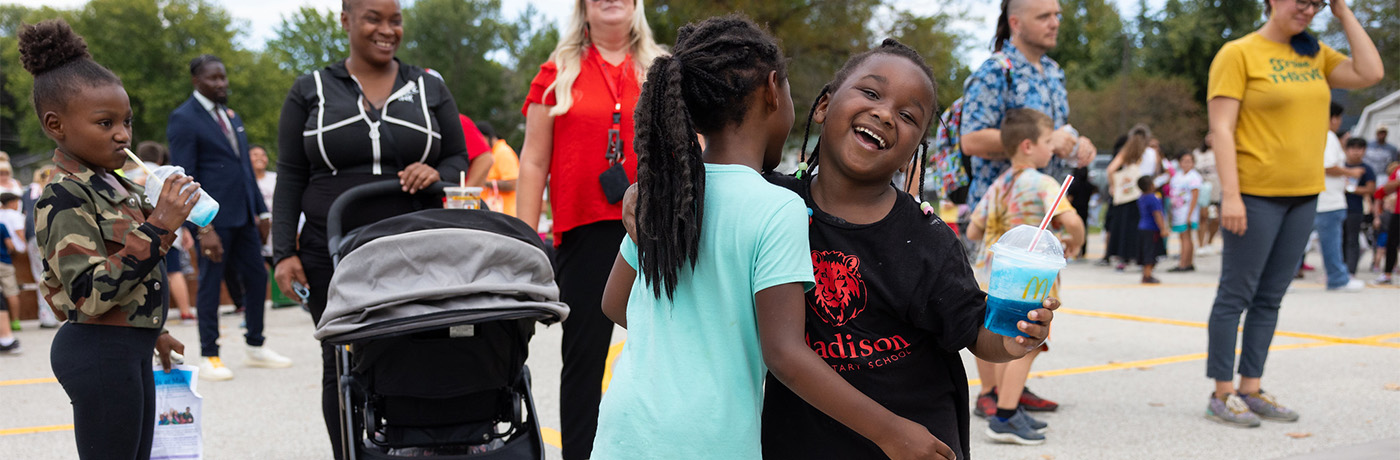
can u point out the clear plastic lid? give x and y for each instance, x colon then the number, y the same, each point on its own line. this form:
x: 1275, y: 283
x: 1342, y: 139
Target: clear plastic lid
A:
x: 1016, y: 244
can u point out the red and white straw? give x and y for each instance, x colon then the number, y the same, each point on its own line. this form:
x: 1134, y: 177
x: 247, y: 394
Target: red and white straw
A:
x: 1049, y: 213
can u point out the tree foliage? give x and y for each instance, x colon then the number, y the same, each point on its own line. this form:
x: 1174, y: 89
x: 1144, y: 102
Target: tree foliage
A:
x: 1092, y: 43
x: 1182, y: 39
x: 1166, y: 104
x: 818, y: 36
x: 308, y: 40
x: 1150, y: 68
x: 1381, y: 19
x: 148, y: 44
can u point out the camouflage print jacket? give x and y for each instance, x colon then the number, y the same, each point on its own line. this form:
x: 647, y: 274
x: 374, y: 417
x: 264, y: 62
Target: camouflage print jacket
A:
x: 103, y: 263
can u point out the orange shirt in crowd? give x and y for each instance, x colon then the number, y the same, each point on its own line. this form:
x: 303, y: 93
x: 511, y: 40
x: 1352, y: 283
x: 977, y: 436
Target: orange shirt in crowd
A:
x: 506, y: 167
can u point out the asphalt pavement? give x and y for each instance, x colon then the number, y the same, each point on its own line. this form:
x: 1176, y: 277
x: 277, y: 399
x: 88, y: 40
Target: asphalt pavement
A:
x: 1127, y: 365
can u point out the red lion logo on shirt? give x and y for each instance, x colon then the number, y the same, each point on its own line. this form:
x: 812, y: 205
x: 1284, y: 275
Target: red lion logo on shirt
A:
x: 840, y: 293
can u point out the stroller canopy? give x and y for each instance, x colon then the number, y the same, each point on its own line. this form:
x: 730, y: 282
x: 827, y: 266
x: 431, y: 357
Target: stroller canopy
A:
x: 438, y: 268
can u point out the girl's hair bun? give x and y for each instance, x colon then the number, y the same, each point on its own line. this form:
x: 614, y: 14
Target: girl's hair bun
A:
x: 49, y: 45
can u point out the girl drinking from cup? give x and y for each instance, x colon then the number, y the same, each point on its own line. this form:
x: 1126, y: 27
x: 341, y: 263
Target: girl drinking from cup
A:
x: 103, y: 247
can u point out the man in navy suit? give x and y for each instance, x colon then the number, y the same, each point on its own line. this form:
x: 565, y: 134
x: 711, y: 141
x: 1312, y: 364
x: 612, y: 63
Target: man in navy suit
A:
x: 207, y: 139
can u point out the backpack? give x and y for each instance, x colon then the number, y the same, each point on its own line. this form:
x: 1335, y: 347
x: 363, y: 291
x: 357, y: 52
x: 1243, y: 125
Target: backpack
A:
x: 948, y: 164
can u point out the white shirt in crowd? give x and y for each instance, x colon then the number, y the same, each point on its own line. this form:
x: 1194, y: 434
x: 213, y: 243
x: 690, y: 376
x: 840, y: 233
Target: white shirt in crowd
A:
x: 14, y: 221
x: 1333, y: 198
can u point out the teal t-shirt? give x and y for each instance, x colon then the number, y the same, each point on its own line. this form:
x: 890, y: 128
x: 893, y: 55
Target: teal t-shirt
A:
x: 689, y: 381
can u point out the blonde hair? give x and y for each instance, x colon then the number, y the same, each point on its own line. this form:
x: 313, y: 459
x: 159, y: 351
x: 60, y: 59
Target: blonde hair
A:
x: 44, y: 175
x: 568, y: 54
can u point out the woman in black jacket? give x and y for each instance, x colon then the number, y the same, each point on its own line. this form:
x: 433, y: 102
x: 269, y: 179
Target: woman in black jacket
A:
x: 365, y: 119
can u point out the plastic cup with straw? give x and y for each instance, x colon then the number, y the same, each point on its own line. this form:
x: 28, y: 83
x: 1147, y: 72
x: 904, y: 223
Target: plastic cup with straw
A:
x: 205, y: 207
x: 1023, y: 271
x: 462, y: 196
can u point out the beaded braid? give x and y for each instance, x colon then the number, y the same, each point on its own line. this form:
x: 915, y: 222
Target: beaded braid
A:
x: 702, y: 87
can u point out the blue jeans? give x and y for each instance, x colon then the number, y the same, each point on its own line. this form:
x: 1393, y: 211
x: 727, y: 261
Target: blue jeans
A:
x: 1329, y: 237
x: 1255, y: 270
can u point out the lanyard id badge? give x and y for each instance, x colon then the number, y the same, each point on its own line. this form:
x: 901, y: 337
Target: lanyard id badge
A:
x: 614, y: 180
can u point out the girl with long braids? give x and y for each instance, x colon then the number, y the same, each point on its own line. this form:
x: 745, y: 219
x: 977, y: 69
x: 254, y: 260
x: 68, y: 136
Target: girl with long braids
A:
x: 578, y: 131
x: 895, y: 299
x: 104, y: 247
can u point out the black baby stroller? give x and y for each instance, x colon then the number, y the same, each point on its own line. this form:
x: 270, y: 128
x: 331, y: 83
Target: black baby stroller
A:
x: 431, y: 315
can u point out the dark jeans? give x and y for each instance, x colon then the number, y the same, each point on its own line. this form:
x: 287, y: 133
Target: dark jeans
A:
x: 106, y: 371
x: 585, y: 259
x: 1255, y: 271
x: 1351, y: 240
x: 242, y: 253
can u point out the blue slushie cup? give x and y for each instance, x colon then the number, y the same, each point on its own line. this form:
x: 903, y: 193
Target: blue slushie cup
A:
x: 205, y: 208
x: 1021, y: 277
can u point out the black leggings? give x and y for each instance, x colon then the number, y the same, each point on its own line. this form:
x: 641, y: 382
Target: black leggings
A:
x: 316, y: 262
x: 1392, y: 243
x: 584, y: 262
x: 106, y: 371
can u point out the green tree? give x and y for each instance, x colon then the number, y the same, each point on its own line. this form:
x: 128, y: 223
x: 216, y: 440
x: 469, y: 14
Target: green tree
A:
x: 1182, y: 39
x: 456, y: 38
x: 148, y: 44
x: 308, y: 40
x: 1381, y: 19
x: 1091, y: 43
x: 528, y: 44
x: 1166, y: 104
x: 26, y: 137
x: 934, y: 38
x: 818, y: 36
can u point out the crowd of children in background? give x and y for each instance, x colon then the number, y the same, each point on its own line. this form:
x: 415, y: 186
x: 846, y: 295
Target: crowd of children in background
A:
x: 1187, y: 194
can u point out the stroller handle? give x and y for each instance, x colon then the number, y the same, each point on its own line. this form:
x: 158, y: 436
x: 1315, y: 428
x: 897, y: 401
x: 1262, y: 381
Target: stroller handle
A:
x: 363, y: 192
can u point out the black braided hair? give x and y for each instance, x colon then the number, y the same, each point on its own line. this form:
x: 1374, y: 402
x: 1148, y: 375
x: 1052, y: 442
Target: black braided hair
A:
x: 702, y: 87
x: 59, y: 60
x: 891, y: 47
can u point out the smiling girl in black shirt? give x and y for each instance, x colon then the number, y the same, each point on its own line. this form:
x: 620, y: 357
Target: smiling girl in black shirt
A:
x: 895, y: 299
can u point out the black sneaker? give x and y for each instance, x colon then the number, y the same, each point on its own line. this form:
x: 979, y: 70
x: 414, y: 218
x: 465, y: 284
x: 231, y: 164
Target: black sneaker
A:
x: 12, y: 348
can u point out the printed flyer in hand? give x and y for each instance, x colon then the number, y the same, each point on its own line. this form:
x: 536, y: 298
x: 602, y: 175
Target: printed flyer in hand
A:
x: 179, y: 415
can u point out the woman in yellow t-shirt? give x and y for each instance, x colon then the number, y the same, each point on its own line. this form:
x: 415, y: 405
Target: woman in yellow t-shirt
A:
x: 1268, y: 95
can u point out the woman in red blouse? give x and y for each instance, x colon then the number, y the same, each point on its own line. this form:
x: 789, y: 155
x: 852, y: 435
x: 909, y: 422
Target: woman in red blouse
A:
x: 578, y: 134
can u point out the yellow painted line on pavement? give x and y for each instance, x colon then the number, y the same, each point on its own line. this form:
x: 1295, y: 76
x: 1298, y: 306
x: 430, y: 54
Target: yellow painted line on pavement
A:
x: 1100, y: 287
x: 1299, y: 335
x: 1113, y: 366
x: 1124, y: 316
x: 6, y: 383
x: 36, y: 429
x: 613, y: 353
x: 552, y: 437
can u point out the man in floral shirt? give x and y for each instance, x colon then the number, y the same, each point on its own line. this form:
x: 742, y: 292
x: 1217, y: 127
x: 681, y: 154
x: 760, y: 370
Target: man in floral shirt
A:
x: 1019, y: 75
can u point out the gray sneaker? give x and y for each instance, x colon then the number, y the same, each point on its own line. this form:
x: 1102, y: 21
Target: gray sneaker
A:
x: 12, y: 348
x: 1231, y: 411
x: 1019, y: 429
x: 1265, y: 406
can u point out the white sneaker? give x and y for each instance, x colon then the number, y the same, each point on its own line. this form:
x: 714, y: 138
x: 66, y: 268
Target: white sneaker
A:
x: 263, y: 357
x: 212, y: 368
x: 1355, y: 285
